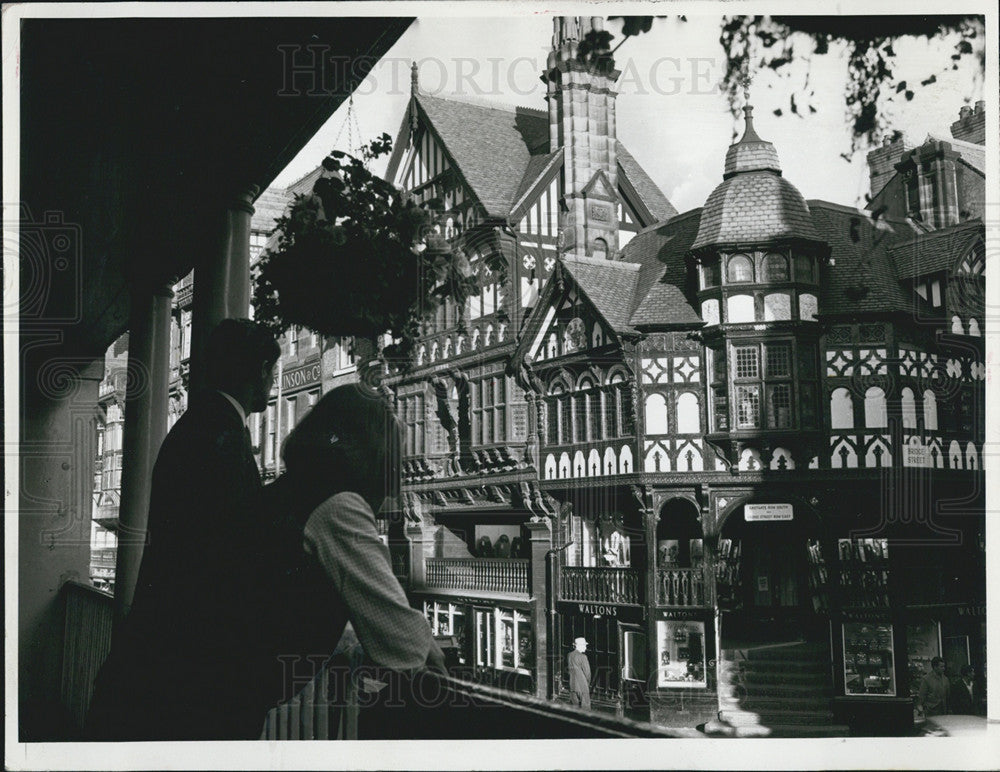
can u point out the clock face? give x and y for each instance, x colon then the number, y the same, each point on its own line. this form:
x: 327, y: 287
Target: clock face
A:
x: 529, y: 262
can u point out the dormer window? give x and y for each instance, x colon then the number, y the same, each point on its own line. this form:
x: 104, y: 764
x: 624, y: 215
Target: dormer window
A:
x: 775, y: 267
x: 740, y: 269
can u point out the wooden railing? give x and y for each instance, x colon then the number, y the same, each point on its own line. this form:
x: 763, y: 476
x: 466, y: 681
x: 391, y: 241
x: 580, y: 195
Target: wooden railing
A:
x: 501, y: 575
x: 680, y: 587
x: 86, y: 643
x: 326, y: 709
x: 601, y: 585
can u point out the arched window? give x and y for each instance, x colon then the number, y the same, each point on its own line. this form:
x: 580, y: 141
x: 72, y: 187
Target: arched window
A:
x: 656, y: 414
x: 974, y: 328
x: 710, y: 311
x: 475, y: 339
x: 600, y: 249
x: 775, y: 267
x: 841, y: 409
x: 956, y: 326
x: 740, y: 269
x: 875, y: 414
x: 909, y: 406
x: 434, y: 351
x: 930, y: 411
x: 688, y: 414
x: 488, y: 339
x: 421, y: 353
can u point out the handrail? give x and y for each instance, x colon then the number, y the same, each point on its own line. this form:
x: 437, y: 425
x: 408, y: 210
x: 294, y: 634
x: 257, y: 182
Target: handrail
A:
x: 680, y: 586
x: 86, y: 642
x: 500, y: 575
x: 601, y: 585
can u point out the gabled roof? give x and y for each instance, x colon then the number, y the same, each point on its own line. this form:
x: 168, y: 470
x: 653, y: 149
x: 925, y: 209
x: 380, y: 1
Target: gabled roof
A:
x: 610, y: 285
x: 861, y: 277
x: 491, y: 145
x: 501, y: 151
x: 648, y: 191
x: 939, y: 250
x: 661, y: 250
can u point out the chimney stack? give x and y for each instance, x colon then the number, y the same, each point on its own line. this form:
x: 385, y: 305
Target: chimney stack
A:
x: 971, y: 124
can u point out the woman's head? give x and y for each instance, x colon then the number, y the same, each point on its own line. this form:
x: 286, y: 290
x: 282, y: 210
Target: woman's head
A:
x: 348, y: 441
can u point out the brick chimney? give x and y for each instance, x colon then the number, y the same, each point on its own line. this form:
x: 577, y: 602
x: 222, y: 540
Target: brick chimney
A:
x: 971, y: 124
x: 581, y: 100
x: 882, y: 161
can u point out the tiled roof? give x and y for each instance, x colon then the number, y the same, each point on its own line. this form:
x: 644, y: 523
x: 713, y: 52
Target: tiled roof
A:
x: 610, y: 285
x: 937, y: 251
x: 660, y: 250
x: 754, y: 207
x: 492, y: 146
x: 501, y: 150
x: 751, y: 153
x: 648, y: 191
x: 861, y: 278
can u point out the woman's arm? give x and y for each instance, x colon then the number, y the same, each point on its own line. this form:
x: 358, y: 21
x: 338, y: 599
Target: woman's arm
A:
x: 341, y: 535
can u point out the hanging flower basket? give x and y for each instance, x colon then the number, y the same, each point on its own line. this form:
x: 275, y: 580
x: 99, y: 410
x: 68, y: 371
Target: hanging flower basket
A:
x: 356, y: 257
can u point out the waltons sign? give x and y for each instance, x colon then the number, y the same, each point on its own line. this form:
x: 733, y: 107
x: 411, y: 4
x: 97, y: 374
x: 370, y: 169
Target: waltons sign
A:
x: 301, y: 376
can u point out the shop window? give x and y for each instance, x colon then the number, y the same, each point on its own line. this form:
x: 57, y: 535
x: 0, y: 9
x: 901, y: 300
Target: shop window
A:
x: 514, y: 641
x: 923, y: 643
x: 740, y: 269
x: 681, y: 656
x: 485, y: 636
x: 868, y: 659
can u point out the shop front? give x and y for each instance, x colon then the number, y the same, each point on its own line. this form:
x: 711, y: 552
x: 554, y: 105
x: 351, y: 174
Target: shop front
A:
x: 618, y: 651
x: 772, y: 575
x: 486, y: 641
x: 682, y: 683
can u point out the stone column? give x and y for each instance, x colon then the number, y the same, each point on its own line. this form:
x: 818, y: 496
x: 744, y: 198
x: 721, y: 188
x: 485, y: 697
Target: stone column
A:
x: 541, y: 542
x: 222, y: 279
x: 146, y: 395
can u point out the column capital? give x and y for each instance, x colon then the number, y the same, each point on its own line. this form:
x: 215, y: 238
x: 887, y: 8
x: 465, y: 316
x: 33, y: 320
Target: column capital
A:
x: 243, y: 200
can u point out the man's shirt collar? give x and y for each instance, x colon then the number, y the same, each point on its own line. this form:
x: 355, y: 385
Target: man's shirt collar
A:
x: 237, y: 405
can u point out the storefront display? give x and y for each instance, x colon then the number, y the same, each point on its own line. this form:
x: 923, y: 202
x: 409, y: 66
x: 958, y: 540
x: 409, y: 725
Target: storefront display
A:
x: 818, y: 577
x: 727, y: 572
x: 868, y: 660
x: 681, y: 654
x: 448, y: 619
x: 504, y: 639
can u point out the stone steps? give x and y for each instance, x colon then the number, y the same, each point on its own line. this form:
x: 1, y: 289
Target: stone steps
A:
x: 776, y: 691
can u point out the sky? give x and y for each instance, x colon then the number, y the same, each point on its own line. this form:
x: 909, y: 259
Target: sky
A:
x: 672, y: 116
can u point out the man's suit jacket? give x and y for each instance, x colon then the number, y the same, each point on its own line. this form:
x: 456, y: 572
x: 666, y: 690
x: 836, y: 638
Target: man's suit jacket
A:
x: 579, y: 672
x: 189, y: 661
x: 959, y: 699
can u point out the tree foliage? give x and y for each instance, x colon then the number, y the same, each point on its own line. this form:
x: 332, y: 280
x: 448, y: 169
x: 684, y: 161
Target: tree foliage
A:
x: 753, y: 44
x: 357, y: 257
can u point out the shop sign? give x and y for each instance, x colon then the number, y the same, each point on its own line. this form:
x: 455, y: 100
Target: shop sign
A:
x: 865, y: 616
x: 301, y: 376
x: 681, y: 614
x: 756, y: 512
x: 589, y: 608
x: 917, y: 456
x: 972, y: 611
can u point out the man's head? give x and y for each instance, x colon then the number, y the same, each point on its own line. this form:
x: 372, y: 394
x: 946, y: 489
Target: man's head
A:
x: 241, y: 355
x: 937, y: 665
x: 580, y: 644
x: 968, y: 672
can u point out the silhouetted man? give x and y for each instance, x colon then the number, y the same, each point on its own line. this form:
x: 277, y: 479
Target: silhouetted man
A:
x: 188, y: 661
x: 579, y: 674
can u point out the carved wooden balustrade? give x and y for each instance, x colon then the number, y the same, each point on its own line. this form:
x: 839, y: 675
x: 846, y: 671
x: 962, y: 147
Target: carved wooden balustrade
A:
x: 501, y: 575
